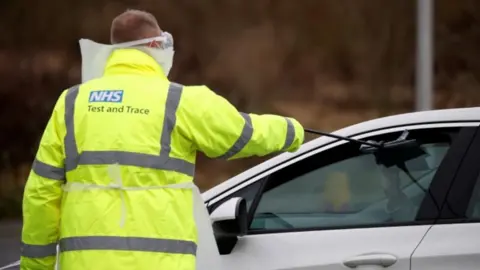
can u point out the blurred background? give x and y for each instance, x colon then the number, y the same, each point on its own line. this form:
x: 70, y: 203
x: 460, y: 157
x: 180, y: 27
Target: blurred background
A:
x: 328, y: 63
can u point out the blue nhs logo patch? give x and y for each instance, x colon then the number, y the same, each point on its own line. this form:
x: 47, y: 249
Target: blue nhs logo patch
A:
x: 106, y: 96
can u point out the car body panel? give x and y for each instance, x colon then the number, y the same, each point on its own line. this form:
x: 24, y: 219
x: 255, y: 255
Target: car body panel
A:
x: 449, y: 246
x: 330, y: 247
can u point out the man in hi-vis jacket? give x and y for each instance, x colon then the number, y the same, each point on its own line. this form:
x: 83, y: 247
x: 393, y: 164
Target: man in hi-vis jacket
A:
x: 112, y: 181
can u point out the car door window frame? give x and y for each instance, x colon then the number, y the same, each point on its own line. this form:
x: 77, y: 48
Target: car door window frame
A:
x: 261, y: 176
x: 418, y: 221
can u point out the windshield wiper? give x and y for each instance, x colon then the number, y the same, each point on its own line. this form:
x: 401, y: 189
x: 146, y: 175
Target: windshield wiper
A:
x: 360, y: 142
x: 387, y: 153
x: 372, y: 146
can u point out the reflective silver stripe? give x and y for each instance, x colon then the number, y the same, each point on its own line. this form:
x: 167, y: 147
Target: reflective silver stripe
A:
x: 245, y: 137
x: 173, y: 99
x: 290, y: 134
x: 38, y: 251
x: 48, y: 171
x: 127, y: 243
x: 71, y: 151
x: 136, y: 159
x: 161, y: 162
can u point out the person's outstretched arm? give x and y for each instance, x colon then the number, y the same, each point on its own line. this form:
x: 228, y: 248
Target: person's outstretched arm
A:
x: 219, y: 130
x: 42, y: 196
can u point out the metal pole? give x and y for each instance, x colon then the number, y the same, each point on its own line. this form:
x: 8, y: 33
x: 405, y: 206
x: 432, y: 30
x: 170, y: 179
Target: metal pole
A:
x: 424, y: 57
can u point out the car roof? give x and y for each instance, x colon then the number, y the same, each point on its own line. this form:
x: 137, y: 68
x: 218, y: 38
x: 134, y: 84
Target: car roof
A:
x: 422, y: 117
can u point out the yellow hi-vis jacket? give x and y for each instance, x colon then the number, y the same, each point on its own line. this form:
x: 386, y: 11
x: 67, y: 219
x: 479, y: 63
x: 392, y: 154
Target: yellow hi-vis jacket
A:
x: 134, y: 117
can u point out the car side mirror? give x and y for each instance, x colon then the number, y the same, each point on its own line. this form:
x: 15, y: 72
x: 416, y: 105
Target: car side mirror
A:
x: 229, y: 220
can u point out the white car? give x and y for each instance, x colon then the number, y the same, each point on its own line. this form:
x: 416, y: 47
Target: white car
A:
x: 336, y: 204
x: 331, y: 206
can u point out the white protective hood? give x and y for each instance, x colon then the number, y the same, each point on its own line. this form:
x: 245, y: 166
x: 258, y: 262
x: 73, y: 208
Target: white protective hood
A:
x: 95, y: 55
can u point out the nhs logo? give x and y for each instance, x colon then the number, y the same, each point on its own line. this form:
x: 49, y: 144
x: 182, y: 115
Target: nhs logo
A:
x: 106, y: 96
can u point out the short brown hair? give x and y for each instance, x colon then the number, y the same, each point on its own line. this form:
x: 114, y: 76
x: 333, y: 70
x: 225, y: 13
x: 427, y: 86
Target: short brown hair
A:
x: 133, y: 25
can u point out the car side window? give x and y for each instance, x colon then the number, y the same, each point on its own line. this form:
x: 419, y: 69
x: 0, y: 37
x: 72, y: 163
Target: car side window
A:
x: 343, y: 187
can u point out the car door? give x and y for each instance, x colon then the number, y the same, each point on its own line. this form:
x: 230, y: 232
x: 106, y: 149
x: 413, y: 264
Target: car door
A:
x: 454, y: 241
x: 336, y: 208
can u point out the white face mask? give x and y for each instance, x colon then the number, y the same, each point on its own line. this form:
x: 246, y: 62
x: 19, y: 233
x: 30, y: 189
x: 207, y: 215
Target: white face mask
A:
x: 95, y: 55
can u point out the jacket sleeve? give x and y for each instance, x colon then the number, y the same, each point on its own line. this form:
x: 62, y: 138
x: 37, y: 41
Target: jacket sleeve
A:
x: 42, y: 196
x: 221, y: 131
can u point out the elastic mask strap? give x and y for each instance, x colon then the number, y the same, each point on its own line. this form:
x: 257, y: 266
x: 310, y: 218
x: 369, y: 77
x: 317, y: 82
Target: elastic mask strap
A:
x: 152, y: 42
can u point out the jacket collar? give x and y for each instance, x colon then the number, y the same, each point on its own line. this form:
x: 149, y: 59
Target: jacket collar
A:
x: 134, y: 62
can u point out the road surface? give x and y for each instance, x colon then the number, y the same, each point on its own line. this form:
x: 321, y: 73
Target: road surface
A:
x: 10, y: 232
